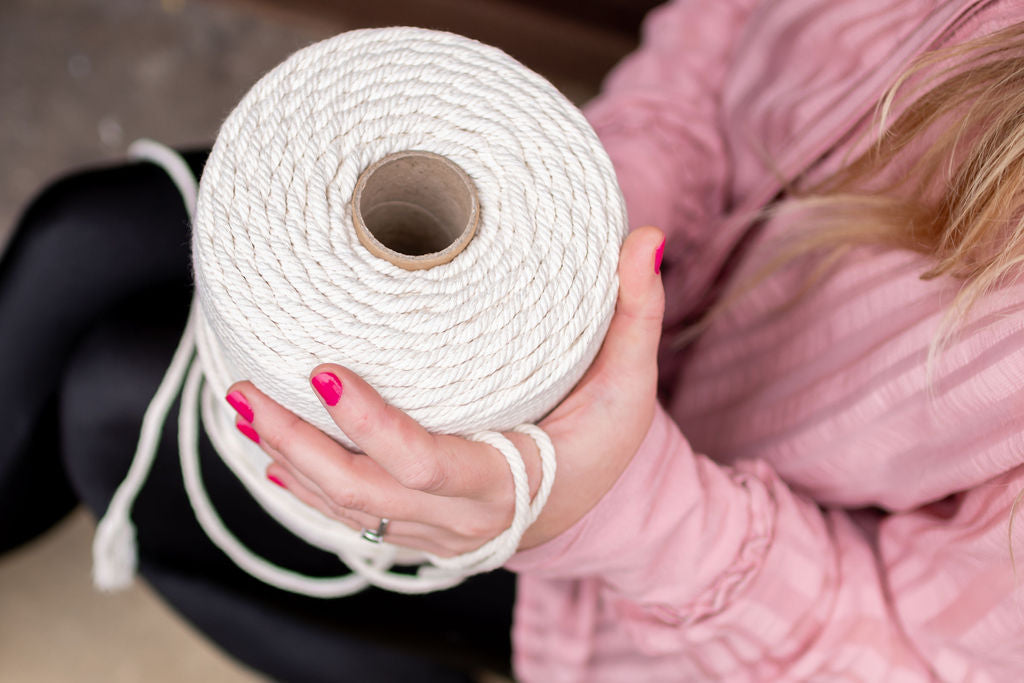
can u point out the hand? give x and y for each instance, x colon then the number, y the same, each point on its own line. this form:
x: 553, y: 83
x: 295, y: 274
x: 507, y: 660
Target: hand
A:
x: 447, y: 495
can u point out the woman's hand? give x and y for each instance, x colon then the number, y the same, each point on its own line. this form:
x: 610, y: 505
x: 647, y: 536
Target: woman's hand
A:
x: 447, y: 495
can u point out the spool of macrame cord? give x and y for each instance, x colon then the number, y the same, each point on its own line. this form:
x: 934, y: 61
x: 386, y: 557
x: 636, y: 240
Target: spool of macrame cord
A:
x: 420, y: 208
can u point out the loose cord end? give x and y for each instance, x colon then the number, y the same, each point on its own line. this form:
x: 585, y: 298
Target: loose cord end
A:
x: 114, y: 548
x: 114, y: 553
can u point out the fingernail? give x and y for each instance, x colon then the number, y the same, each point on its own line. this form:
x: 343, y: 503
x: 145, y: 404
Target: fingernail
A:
x: 657, y: 258
x: 248, y: 431
x: 241, y: 406
x: 277, y: 481
x: 328, y: 386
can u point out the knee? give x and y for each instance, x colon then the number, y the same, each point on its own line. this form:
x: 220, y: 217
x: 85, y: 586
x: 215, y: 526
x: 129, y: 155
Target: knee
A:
x: 108, y: 384
x: 123, y: 216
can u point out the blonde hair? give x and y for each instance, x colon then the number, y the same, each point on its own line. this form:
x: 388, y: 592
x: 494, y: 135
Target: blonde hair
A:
x: 945, y: 178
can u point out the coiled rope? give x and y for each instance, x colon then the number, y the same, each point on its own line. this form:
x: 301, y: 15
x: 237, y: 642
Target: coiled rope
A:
x: 488, y: 341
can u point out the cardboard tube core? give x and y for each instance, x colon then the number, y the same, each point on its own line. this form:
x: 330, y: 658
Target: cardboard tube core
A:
x: 415, y: 209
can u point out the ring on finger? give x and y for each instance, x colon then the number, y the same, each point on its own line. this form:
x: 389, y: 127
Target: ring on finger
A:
x: 376, y: 535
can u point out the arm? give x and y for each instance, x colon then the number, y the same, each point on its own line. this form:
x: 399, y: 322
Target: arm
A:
x: 726, y: 565
x: 732, y: 568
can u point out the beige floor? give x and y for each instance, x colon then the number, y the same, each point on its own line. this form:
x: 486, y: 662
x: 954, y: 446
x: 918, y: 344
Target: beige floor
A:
x: 55, y: 627
x: 78, y: 82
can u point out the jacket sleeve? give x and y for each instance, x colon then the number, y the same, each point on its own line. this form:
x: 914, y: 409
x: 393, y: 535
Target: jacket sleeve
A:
x: 730, y: 567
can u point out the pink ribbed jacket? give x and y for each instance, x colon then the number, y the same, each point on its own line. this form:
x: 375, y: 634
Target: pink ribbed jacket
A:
x: 810, y: 504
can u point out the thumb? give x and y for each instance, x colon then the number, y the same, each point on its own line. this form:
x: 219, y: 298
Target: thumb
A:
x: 631, y: 344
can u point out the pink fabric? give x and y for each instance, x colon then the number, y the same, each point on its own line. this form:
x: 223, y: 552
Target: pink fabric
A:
x: 812, y: 504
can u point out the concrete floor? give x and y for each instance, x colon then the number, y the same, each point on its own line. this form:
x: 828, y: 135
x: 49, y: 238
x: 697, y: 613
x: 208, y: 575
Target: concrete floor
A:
x: 78, y: 82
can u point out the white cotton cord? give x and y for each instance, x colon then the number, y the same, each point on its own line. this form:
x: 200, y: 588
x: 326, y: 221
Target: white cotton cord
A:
x: 498, y: 550
x: 445, y: 572
x: 114, y: 550
x: 174, y: 165
x: 548, y: 467
x: 491, y: 340
x: 368, y: 568
x: 188, y: 433
x: 488, y: 341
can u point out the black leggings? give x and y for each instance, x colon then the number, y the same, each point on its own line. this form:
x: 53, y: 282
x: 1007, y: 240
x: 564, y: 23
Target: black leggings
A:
x: 94, y: 291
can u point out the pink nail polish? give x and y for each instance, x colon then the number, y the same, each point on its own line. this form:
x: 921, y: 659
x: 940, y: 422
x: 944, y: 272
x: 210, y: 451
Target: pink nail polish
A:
x: 241, y: 406
x: 328, y: 386
x: 277, y: 481
x: 248, y: 431
x: 657, y: 258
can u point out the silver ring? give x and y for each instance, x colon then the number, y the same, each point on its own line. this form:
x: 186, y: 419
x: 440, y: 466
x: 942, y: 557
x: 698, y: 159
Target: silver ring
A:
x: 376, y: 536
